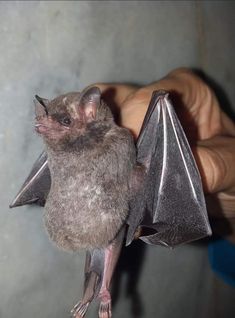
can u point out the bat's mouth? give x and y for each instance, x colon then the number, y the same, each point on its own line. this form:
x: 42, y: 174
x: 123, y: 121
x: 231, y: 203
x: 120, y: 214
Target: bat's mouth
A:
x: 40, y: 128
x: 49, y: 129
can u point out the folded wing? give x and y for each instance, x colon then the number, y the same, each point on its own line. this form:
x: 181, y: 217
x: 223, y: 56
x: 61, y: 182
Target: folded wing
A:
x: 171, y: 202
x: 37, y: 185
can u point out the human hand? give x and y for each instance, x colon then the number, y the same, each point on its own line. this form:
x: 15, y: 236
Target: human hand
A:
x: 210, y: 132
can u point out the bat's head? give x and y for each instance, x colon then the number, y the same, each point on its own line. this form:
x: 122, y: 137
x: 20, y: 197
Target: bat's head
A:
x: 67, y: 117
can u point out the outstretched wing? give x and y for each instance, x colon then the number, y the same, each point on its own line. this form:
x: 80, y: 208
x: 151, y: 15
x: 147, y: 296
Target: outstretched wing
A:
x: 171, y: 201
x: 37, y: 185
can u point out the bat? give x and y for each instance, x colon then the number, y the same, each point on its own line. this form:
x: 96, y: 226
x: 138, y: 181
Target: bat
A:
x: 100, y: 188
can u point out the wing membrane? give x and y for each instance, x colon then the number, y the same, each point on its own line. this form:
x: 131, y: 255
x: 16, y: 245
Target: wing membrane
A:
x: 171, y: 203
x: 37, y: 185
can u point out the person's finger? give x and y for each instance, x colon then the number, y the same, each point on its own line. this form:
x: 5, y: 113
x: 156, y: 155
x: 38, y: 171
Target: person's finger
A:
x: 201, y: 101
x: 133, y: 111
x: 116, y: 93
x: 199, y: 109
x: 216, y: 161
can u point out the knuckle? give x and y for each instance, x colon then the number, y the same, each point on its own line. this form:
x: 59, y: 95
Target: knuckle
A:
x: 215, y: 171
x: 184, y: 72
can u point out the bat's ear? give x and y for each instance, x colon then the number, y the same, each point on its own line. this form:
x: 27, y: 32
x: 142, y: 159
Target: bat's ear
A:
x: 89, y: 102
x: 41, y: 105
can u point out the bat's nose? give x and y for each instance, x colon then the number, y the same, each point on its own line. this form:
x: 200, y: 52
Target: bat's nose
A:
x: 40, y: 128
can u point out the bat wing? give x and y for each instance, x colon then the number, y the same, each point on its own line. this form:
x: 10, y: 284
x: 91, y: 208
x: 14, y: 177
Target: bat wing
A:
x: 37, y: 185
x: 170, y: 204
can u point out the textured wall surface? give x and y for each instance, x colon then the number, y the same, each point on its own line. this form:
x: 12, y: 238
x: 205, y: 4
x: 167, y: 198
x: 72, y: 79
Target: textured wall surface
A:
x: 48, y: 48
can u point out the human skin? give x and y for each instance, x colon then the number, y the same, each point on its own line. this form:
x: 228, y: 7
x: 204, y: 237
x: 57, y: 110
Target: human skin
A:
x: 210, y: 131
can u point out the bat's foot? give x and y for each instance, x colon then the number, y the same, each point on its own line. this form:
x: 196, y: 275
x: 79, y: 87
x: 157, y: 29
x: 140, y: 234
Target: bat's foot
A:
x: 105, y: 305
x: 79, y: 310
x: 105, y: 310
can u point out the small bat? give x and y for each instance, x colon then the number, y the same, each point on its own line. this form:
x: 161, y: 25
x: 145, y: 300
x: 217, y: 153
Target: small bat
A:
x: 99, y: 187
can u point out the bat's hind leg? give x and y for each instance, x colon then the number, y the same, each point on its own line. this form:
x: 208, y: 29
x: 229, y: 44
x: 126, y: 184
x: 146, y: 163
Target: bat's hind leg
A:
x: 111, y: 254
x: 104, y: 294
x: 99, y: 268
x: 93, y: 276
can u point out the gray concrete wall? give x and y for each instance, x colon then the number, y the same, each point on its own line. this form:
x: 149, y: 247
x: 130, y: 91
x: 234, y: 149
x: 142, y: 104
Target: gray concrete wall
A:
x: 47, y: 48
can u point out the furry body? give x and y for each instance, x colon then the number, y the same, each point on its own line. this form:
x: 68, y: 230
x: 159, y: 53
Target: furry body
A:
x: 90, y: 191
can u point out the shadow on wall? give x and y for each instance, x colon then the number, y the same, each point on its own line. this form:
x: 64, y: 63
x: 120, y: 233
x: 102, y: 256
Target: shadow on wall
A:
x: 130, y: 265
x: 220, y: 226
x: 224, y: 102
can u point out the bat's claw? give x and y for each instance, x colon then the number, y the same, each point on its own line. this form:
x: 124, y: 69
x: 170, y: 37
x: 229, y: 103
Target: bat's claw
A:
x: 105, y: 310
x: 105, y: 305
x: 79, y: 310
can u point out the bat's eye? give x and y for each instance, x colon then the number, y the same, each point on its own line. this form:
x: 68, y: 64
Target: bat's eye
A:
x: 66, y: 121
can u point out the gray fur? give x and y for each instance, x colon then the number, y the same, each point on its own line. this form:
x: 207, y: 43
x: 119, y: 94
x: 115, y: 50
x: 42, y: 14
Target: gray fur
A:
x: 89, y: 198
